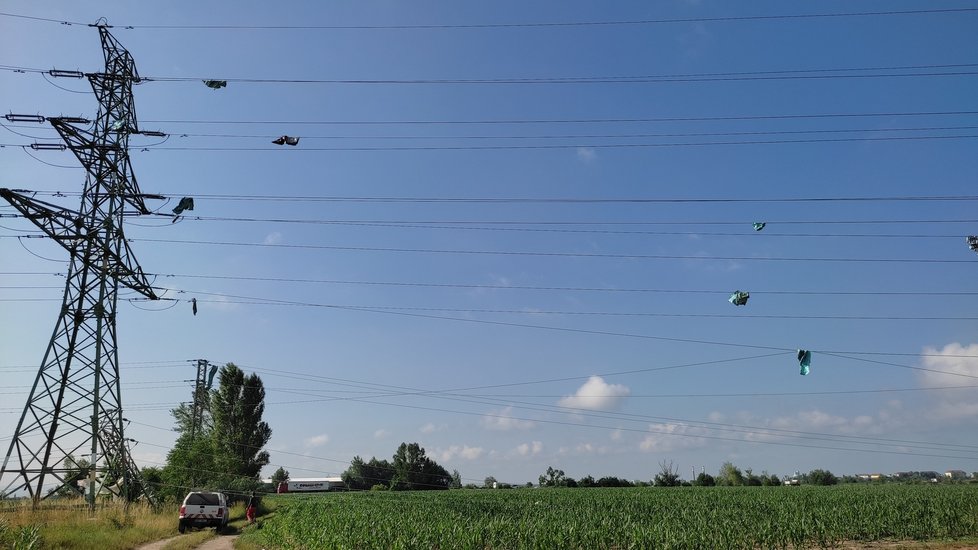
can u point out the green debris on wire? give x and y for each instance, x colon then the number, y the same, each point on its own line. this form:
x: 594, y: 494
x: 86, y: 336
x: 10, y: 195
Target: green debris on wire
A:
x: 805, y: 361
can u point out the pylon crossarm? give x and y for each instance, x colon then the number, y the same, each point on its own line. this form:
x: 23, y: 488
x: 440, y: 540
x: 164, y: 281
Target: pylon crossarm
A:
x: 67, y: 228
x: 63, y: 225
x: 104, y: 158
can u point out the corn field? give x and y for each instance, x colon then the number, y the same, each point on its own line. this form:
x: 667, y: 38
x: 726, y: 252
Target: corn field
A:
x: 697, y: 517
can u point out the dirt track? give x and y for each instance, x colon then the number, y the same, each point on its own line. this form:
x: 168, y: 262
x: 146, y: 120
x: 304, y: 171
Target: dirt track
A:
x: 216, y: 543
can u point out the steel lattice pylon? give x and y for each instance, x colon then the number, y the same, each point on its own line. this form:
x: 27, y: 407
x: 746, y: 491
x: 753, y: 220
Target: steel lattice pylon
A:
x: 74, y: 411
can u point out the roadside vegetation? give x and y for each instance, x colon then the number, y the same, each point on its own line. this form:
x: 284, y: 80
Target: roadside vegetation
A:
x: 67, y: 523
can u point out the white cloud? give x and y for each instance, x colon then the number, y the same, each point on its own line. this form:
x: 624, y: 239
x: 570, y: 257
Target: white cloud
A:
x: 672, y: 437
x: 532, y: 448
x: 952, y: 404
x: 596, y: 395
x: 459, y: 451
x: 590, y: 448
x: 381, y: 434
x: 586, y: 154
x: 945, y: 360
x: 616, y: 435
x: 428, y: 428
x: 502, y: 420
x: 317, y: 440
x: 273, y: 238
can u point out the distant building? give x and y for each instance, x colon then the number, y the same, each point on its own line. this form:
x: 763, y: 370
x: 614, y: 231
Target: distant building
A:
x: 871, y: 477
x: 955, y: 474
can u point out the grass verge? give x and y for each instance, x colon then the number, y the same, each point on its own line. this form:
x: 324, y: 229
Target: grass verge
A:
x: 69, y: 524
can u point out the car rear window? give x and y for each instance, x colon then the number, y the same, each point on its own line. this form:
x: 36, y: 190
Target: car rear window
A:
x: 206, y: 499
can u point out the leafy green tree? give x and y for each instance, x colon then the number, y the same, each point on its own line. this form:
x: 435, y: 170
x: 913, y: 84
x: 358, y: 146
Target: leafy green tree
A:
x: 189, y: 466
x: 152, y: 478
x: 730, y: 475
x: 770, y: 480
x: 667, y: 476
x: 752, y: 480
x: 280, y: 476
x: 239, y: 433
x: 587, y: 481
x: 612, y: 481
x: 553, y: 478
x: 456, y: 480
x: 821, y: 477
x: 362, y: 476
x: 704, y: 480
x: 413, y: 470
x: 489, y: 483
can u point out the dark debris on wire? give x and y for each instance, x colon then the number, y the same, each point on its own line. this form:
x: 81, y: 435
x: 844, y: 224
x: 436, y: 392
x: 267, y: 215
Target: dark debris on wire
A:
x: 286, y: 140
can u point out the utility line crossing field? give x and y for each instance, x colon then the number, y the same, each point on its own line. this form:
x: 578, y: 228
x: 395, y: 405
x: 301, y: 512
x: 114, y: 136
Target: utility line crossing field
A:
x: 689, y: 517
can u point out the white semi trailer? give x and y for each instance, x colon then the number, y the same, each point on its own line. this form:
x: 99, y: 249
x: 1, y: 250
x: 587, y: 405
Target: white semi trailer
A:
x: 311, y: 485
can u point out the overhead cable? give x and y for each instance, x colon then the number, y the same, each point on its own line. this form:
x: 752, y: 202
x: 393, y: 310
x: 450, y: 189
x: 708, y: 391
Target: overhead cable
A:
x: 715, y: 118
x: 538, y: 24
x: 561, y: 254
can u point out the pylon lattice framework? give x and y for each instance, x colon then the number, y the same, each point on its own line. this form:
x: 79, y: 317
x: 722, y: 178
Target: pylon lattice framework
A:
x: 74, y: 411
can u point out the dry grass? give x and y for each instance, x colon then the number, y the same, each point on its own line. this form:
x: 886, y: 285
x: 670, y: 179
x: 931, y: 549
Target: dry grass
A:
x: 68, y: 524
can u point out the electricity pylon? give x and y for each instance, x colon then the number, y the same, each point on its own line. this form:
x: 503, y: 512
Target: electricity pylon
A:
x: 74, y: 412
x: 202, y: 388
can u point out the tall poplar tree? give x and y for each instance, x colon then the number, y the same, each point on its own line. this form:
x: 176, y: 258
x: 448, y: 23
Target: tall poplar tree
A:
x: 238, y: 431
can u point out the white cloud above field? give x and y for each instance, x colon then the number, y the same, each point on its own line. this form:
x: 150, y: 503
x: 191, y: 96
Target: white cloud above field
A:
x: 502, y: 420
x: 952, y: 405
x: 316, y: 441
x: 596, y: 395
x: 950, y: 359
x: 666, y: 437
x: 531, y: 448
x: 463, y: 452
x: 273, y: 238
x: 381, y: 433
x: 430, y: 428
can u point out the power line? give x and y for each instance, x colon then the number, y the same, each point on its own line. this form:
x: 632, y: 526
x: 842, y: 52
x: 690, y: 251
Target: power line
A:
x: 766, y: 234
x: 567, y: 200
x: 763, y: 75
x: 275, y: 302
x: 559, y: 254
x: 620, y: 334
x: 533, y: 311
x: 545, y: 146
x: 560, y: 146
x: 539, y: 24
x: 907, y: 293
x: 715, y: 118
x: 767, y: 75
x: 570, y: 136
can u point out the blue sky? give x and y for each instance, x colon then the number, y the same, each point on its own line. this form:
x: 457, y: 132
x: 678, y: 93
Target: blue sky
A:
x: 594, y: 327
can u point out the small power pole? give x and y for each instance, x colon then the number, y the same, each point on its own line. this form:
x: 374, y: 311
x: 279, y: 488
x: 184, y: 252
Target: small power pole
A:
x: 75, y: 406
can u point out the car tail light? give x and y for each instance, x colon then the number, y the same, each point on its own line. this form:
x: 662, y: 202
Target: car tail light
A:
x: 183, y: 511
x: 220, y: 512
